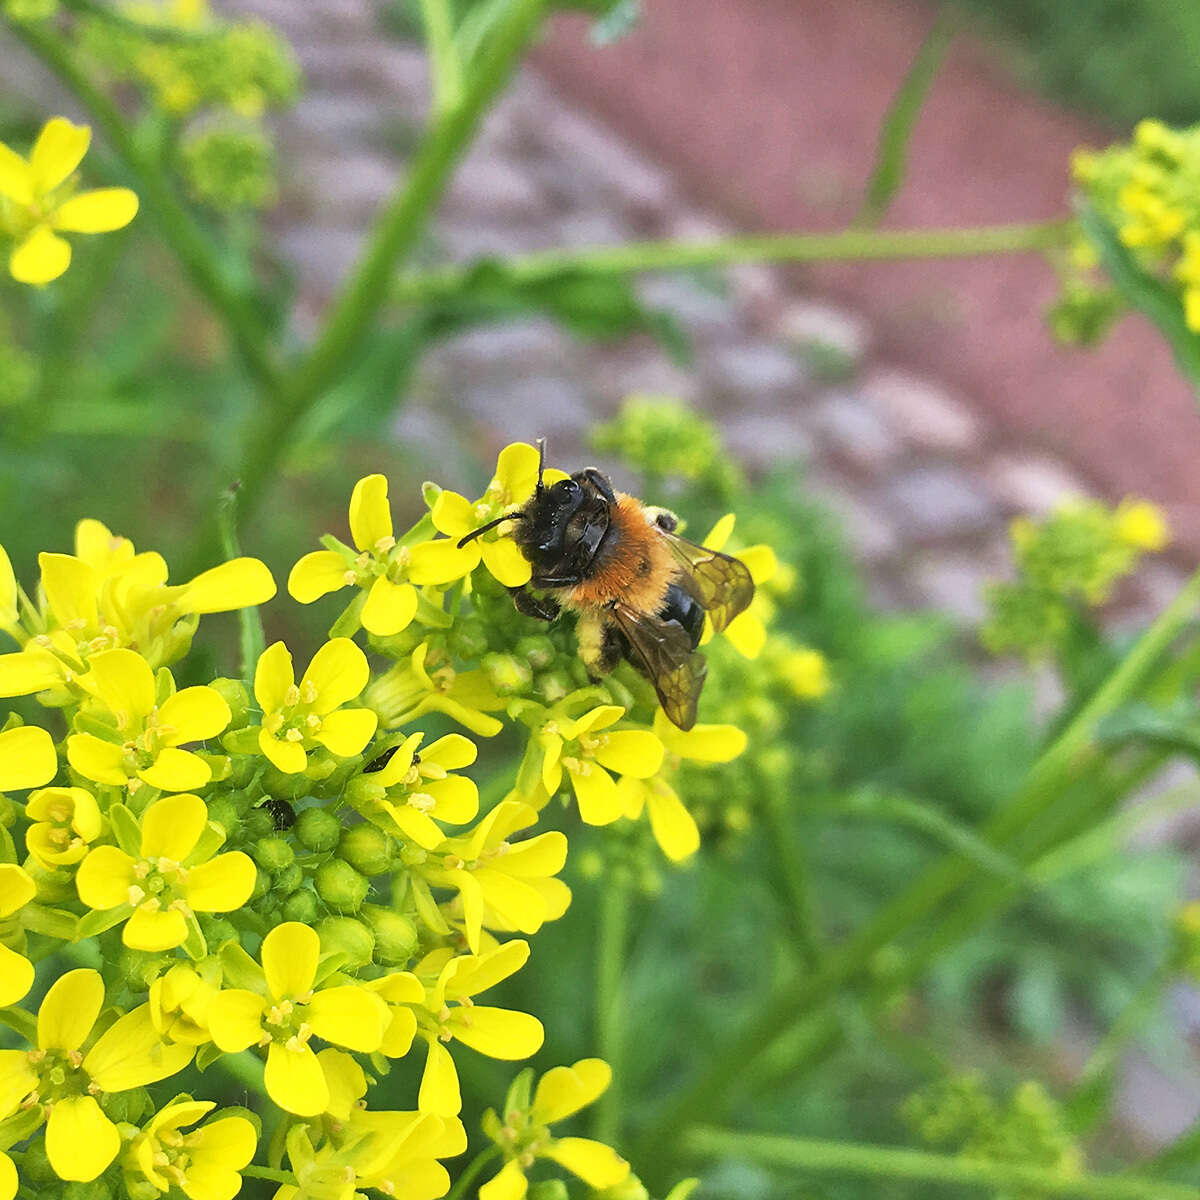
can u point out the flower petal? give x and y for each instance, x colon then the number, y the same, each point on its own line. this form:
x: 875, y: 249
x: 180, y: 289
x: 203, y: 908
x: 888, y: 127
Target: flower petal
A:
x: 289, y: 958
x: 673, y: 826
x: 370, y: 516
x: 338, y: 672
x: 596, y: 792
x: 509, y: 1184
x: 172, y: 826
x: 176, y: 771
x: 16, y: 888
x: 235, y: 1018
x: 80, y: 1140
x: 398, y: 1036
x: 452, y: 514
x: 504, y: 559
x: 104, y: 878
x: 17, y: 1079
x: 221, y: 884
x: 239, y: 583
x: 498, y: 1032
x: 273, y: 675
x: 40, y: 258
x: 98, y: 211
x: 517, y: 471
x: 27, y: 758
x: 16, y: 179
x: 457, y: 798
x: 70, y: 1009
x: 316, y: 575
x: 440, y: 1093
x: 295, y: 1080
x: 154, y: 929
x: 288, y: 757
x: 131, y: 1054
x: 123, y: 680
x: 390, y: 607
x: 348, y: 1016
x: 635, y: 752
x: 345, y: 733
x: 195, y: 714
x: 16, y: 976
x: 59, y: 149
x: 8, y: 1171
x: 441, y: 562
x: 102, y: 762
x: 598, y: 1165
x: 23, y: 673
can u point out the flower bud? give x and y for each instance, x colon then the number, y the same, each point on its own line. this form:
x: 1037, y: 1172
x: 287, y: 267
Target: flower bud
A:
x: 396, y: 937
x: 549, y: 1189
x: 262, y: 885
x: 129, y: 1106
x: 257, y: 823
x: 341, y: 886
x: 53, y: 887
x: 138, y: 970
x: 140, y: 1188
x: 347, y: 936
x: 554, y: 685
x: 366, y: 848
x: 273, y: 853
x: 235, y: 693
x: 508, y: 674
x: 302, y: 906
x: 218, y: 930
x: 288, y: 880
x: 96, y: 1189
x: 537, y: 651
x: 224, y: 812
x: 317, y: 829
x: 468, y: 639
x: 362, y: 792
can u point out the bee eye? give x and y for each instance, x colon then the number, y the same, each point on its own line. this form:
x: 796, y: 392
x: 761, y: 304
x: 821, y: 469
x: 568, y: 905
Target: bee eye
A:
x: 566, y: 488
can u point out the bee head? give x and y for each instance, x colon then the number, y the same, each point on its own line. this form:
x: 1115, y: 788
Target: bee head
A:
x: 565, y: 523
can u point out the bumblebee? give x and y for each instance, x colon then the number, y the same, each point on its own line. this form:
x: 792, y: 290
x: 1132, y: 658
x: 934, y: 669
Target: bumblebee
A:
x: 640, y: 590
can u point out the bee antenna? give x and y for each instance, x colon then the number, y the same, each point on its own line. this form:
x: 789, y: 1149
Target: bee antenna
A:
x: 470, y: 537
x: 541, y: 445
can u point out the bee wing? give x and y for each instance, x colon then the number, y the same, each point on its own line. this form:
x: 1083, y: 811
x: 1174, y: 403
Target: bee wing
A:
x: 664, y: 649
x: 720, y: 584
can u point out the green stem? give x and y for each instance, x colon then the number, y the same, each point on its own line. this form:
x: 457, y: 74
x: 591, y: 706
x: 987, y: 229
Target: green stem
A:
x: 1057, y: 767
x: 445, y: 66
x: 882, y: 1162
x: 472, y: 1172
x: 792, y: 870
x: 200, y: 259
x: 612, y: 937
x: 849, y: 245
x: 250, y: 626
x: 271, y: 1174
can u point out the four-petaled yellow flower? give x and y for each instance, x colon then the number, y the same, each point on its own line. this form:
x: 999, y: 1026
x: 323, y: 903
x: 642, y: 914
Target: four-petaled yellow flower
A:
x: 748, y: 630
x: 66, y: 821
x: 16, y: 971
x: 511, y: 486
x: 524, y: 1133
x: 388, y: 571
x: 38, y: 201
x: 292, y: 1012
x: 204, y: 1164
x: 146, y: 735
x: 167, y: 882
x: 81, y: 1140
x: 179, y: 1001
x: 300, y: 716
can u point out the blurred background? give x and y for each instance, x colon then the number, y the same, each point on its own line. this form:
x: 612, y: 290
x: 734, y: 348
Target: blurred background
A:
x: 893, y: 418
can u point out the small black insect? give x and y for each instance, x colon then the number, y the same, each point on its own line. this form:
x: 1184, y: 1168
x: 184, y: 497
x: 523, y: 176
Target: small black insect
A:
x: 382, y: 761
x: 282, y: 813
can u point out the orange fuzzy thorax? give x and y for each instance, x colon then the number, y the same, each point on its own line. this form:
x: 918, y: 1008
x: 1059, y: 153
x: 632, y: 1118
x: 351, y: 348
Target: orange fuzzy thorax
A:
x: 635, y: 566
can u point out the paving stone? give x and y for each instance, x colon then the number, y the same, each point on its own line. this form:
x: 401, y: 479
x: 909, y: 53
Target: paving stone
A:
x: 1031, y: 482
x: 533, y: 406
x: 870, y: 530
x: 493, y: 186
x: 855, y: 432
x: 624, y: 368
x: 767, y: 439
x: 338, y: 117
x: 811, y: 324
x: 705, y: 315
x: 505, y: 351
x: 755, y: 373
x: 938, y: 500
x: 320, y: 254
x: 349, y: 187
x: 955, y: 582
x: 927, y: 416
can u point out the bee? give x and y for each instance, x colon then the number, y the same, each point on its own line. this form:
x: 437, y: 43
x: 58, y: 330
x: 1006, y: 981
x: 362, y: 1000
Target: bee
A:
x: 640, y: 590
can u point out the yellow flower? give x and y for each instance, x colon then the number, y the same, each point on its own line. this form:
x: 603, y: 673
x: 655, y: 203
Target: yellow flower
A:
x: 38, y: 200
x: 673, y: 826
x: 748, y: 630
x: 524, y: 1133
x: 8, y: 1177
x: 388, y: 571
x: 806, y: 673
x: 66, y: 820
x: 1142, y: 525
x: 8, y: 594
x: 170, y: 880
x: 146, y: 735
x: 16, y: 971
x: 299, y: 717
x: 294, y: 1011
x: 512, y: 485
x: 204, y: 1164
x: 502, y: 884
x: 413, y: 687
x: 179, y: 1001
x: 448, y: 1013
x: 81, y: 1141
x: 27, y: 758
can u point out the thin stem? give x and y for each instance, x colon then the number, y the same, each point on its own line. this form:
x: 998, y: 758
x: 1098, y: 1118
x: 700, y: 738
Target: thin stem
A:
x: 851, y: 244
x: 792, y: 869
x: 250, y: 626
x: 883, y: 1162
x: 271, y: 1174
x: 611, y: 939
x: 472, y: 1172
x: 1058, y: 766
x: 200, y: 259
x: 444, y: 62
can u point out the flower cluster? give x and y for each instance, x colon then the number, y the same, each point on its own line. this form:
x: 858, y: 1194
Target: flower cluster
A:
x: 1067, y: 564
x: 296, y: 866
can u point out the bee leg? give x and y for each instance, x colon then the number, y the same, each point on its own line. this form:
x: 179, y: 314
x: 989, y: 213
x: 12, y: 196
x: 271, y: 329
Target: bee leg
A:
x: 529, y: 605
x: 601, y: 645
x: 664, y: 518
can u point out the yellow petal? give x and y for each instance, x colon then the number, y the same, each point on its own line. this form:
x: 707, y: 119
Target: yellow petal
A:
x: 99, y: 211
x: 370, y: 517
x: 16, y: 888
x: 27, y: 758
x: 71, y: 586
x: 597, y: 1165
x: 295, y: 1080
x: 8, y: 581
x: 105, y: 877
x: 16, y: 179
x: 390, y: 607
x: 123, y: 680
x: 316, y: 575
x: 504, y: 559
x: 339, y: 672
x: 702, y: 743
x: 40, y: 258
x: 747, y: 633
x: 509, y: 1184
x: 289, y: 958
x: 70, y: 1009
x: 97, y: 545
x: 600, y: 717
x: 80, y: 1140
x: 517, y: 471
x: 194, y: 715
x: 22, y: 673
x: 673, y: 826
x: 59, y: 149
x: 720, y: 533
x: 457, y: 799
x: 453, y: 515
x: 345, y: 733
x: 16, y: 976
x: 172, y: 826
x: 761, y: 562
x: 221, y: 884
x: 94, y: 759
x: 439, y: 1092
x: 176, y: 771
x: 17, y: 1079
x: 398, y: 1036
x: 635, y: 752
x: 288, y: 757
x: 346, y: 1082
x: 153, y: 931
x: 498, y: 1032
x: 273, y: 676
x: 596, y: 792
x: 131, y: 1054
x: 235, y: 1019
x: 239, y: 583
x: 348, y: 1016
x: 8, y: 1171
x: 441, y: 562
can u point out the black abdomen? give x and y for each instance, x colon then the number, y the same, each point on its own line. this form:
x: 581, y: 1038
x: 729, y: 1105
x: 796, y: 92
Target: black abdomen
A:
x: 683, y: 608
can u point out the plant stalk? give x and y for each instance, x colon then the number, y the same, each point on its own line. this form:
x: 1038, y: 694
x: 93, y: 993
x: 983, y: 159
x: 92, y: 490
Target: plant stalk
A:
x: 612, y: 937
x: 472, y: 1172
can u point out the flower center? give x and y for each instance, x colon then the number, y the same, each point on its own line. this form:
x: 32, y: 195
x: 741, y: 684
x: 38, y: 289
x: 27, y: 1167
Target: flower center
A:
x: 284, y: 1022
x: 60, y: 1076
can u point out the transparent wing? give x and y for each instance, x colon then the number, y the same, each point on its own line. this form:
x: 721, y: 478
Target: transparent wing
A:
x: 721, y: 585
x: 664, y: 651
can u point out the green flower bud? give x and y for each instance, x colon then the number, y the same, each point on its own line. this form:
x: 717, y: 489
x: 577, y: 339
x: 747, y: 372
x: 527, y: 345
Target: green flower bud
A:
x: 469, y: 639
x: 288, y: 880
x: 140, y: 1188
x: 219, y: 930
x: 317, y: 829
x: 366, y: 848
x: 549, y: 1189
x: 257, y: 823
x: 273, y: 853
x: 508, y: 674
x: 347, y: 936
x: 287, y: 787
x: 230, y: 168
x: 302, y: 906
x: 235, y: 693
x: 137, y: 969
x: 53, y: 887
x: 362, y: 792
x: 129, y: 1106
x: 341, y: 886
x: 554, y: 685
x: 262, y: 885
x: 224, y: 812
x: 35, y: 1166
x: 396, y: 937
x: 96, y: 1189
x: 537, y: 651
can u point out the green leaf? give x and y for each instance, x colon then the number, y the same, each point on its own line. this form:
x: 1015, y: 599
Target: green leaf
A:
x: 99, y: 921
x: 126, y: 830
x: 240, y: 969
x: 51, y: 922
x: 207, y: 1055
x: 1177, y: 728
x: 194, y: 945
x: 211, y: 840
x: 891, y: 154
